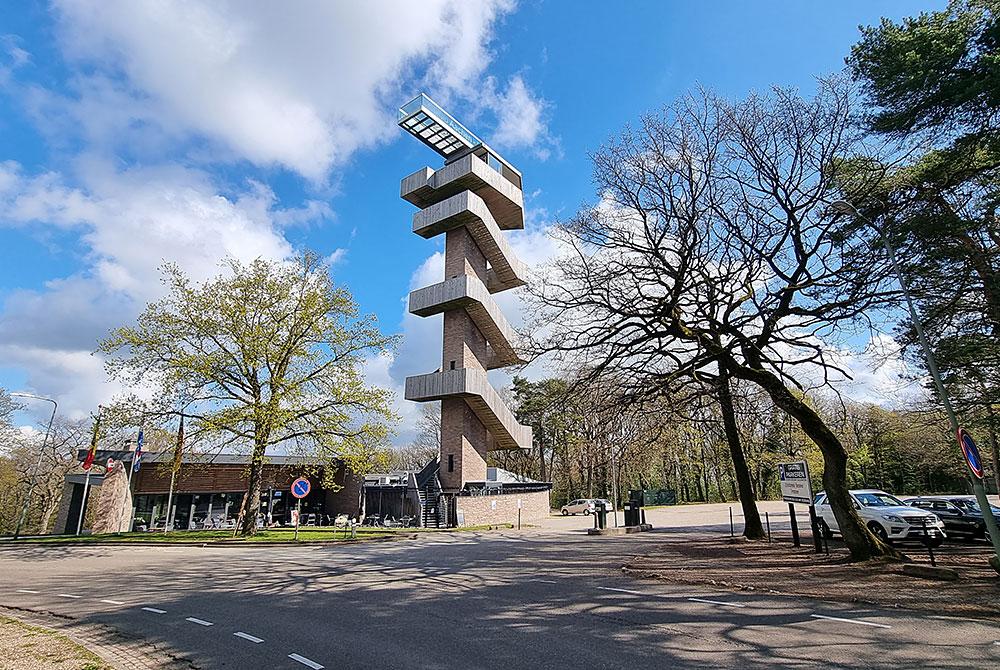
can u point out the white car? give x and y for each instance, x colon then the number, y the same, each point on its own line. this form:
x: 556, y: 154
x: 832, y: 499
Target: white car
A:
x: 584, y: 506
x: 886, y: 516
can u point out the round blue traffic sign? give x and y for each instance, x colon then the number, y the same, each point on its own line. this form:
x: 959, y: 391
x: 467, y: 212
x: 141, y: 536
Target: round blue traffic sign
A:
x: 301, y: 487
x: 971, y: 453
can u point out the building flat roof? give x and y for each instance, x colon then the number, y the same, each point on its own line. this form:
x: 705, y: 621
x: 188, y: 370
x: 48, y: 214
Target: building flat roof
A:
x: 194, y: 457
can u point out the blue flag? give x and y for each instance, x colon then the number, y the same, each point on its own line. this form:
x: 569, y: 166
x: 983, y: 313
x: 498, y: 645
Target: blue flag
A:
x: 137, y: 460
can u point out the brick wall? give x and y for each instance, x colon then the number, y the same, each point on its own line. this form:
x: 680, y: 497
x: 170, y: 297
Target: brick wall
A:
x: 480, y: 510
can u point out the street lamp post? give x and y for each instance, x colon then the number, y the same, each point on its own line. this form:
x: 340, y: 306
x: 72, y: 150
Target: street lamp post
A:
x: 844, y: 207
x: 38, y: 463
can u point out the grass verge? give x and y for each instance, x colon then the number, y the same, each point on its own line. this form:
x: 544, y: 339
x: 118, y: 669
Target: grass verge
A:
x: 283, y: 535
x: 27, y: 647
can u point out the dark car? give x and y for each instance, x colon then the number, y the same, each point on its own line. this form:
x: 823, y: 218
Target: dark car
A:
x: 961, y: 518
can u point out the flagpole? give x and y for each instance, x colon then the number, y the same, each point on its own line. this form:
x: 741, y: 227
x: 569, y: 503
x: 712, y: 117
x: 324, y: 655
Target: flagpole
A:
x: 170, y: 497
x: 128, y: 491
x: 88, y: 464
x: 83, y: 503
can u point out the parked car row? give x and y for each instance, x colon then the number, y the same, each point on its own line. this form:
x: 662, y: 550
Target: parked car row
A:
x: 919, y: 518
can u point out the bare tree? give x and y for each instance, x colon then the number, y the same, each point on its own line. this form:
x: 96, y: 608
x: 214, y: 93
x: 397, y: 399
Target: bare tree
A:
x: 713, y: 256
x: 426, y: 443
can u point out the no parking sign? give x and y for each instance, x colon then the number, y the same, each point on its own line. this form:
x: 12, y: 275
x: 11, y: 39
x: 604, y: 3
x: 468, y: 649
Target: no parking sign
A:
x: 301, y: 487
x: 971, y: 453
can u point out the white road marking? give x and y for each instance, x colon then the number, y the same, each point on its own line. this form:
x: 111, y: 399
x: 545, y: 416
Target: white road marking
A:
x: 715, y: 602
x: 247, y: 636
x: 305, y: 661
x: 68, y: 595
x: 546, y: 581
x: 26, y: 591
x: 634, y: 593
x: 113, y: 602
x: 154, y: 610
x: 857, y: 621
x: 200, y: 622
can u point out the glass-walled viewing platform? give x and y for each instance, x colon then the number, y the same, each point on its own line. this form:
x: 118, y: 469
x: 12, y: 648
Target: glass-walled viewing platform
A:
x: 427, y: 121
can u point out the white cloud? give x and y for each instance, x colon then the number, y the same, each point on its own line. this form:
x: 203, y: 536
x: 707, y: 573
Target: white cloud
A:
x: 302, y: 87
x: 521, y: 122
x: 131, y: 222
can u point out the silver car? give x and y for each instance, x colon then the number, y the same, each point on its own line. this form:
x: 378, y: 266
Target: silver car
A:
x: 584, y: 506
x: 886, y: 516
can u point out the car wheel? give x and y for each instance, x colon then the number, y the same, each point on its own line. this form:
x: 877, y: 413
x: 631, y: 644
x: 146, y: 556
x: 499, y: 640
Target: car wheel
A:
x: 879, y: 532
x: 565, y: 512
x: 825, y: 530
x: 586, y: 512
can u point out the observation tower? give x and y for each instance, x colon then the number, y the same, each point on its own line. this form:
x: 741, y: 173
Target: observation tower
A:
x: 471, y: 200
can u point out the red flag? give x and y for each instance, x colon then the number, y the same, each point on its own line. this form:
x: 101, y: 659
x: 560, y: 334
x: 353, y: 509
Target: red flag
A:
x: 92, y: 452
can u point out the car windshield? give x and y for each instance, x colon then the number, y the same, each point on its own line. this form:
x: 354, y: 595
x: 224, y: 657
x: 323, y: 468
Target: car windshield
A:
x: 877, y: 500
x: 973, y: 506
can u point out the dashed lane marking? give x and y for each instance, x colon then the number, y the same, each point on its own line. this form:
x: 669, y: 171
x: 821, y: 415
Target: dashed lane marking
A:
x: 112, y: 602
x: 634, y: 593
x: 715, y: 602
x: 26, y: 591
x: 857, y: 621
x: 153, y: 610
x: 305, y: 661
x: 68, y: 595
x: 247, y: 636
x: 200, y: 622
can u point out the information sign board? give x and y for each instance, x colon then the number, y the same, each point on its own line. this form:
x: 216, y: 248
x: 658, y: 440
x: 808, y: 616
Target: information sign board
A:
x: 795, y: 485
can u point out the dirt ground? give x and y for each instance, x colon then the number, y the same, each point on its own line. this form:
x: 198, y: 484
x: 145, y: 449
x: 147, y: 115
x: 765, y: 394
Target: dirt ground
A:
x: 26, y: 647
x: 781, y: 568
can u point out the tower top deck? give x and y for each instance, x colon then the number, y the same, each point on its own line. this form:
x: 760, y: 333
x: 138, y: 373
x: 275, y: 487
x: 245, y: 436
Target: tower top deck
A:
x: 431, y: 124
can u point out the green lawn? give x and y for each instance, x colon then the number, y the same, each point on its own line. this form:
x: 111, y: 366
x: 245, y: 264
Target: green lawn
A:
x: 308, y: 534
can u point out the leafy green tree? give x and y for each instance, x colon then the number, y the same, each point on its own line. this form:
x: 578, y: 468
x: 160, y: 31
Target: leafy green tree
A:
x: 936, y: 73
x: 267, y: 354
x: 934, y: 83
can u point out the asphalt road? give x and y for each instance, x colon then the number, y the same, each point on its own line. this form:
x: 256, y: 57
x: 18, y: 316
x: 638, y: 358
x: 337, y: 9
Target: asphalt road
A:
x: 549, y: 598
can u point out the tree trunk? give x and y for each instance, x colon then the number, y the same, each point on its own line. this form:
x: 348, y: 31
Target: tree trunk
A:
x: 752, y: 527
x: 994, y: 446
x: 862, y: 544
x: 251, y: 503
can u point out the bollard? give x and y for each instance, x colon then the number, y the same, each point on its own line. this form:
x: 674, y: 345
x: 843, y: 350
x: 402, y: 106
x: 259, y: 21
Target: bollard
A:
x: 814, y: 524
x: 767, y: 519
x: 732, y: 528
x: 795, y: 525
x: 927, y: 541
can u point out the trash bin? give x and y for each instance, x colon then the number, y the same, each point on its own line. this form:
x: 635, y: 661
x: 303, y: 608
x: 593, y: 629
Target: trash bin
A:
x: 602, y: 515
x: 631, y: 514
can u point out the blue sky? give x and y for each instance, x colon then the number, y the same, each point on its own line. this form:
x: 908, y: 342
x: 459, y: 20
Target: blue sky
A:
x: 134, y: 132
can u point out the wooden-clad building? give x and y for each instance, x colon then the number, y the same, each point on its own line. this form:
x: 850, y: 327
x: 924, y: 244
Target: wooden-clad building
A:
x: 209, y: 489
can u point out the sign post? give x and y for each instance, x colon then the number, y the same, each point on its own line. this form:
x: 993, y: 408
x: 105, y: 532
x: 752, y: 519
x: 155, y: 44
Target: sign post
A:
x: 300, y: 489
x: 796, y: 488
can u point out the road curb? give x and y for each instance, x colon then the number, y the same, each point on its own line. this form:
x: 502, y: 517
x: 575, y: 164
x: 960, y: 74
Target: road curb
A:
x: 215, y: 543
